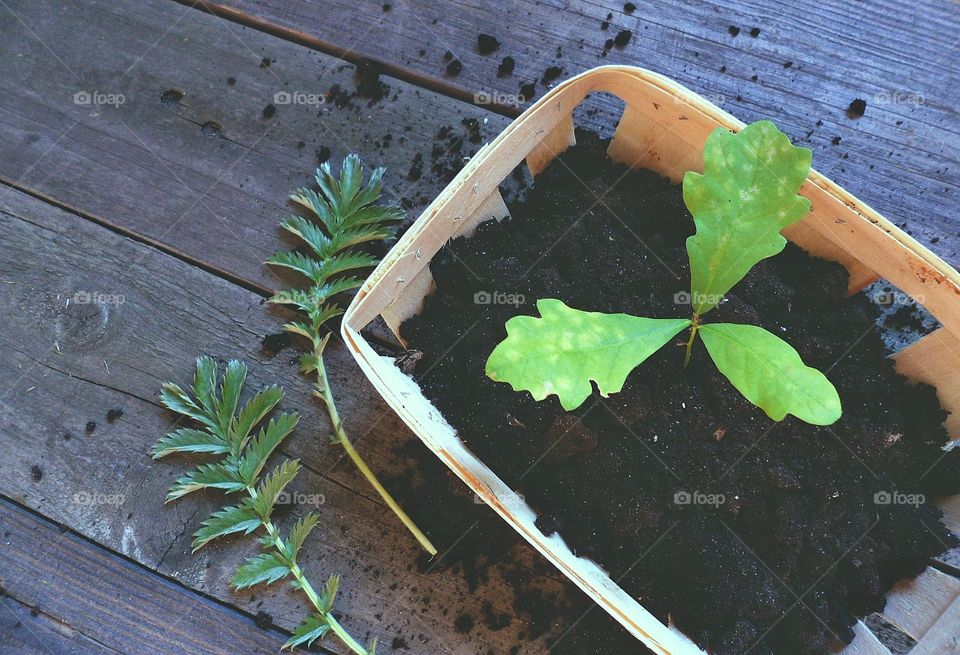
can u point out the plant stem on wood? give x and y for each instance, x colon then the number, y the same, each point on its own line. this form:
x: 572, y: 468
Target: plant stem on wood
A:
x: 322, y: 390
x: 307, y: 588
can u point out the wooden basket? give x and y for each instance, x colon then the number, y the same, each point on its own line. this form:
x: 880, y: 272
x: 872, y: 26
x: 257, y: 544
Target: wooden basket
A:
x: 664, y: 127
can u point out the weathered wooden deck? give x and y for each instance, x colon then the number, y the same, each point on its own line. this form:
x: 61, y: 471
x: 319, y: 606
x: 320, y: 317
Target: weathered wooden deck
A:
x: 170, y: 203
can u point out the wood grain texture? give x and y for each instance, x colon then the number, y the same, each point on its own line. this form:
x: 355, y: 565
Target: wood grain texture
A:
x: 69, y: 364
x: 806, y: 64
x: 207, y: 175
x: 71, y: 596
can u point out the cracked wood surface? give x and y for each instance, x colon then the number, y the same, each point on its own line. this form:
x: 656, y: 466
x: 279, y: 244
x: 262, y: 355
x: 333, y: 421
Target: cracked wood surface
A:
x: 57, y: 588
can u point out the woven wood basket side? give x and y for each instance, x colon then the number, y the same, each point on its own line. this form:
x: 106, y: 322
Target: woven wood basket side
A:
x: 663, y: 127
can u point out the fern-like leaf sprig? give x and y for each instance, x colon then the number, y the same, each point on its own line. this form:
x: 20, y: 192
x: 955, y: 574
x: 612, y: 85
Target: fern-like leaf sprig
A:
x: 229, y: 431
x: 345, y: 214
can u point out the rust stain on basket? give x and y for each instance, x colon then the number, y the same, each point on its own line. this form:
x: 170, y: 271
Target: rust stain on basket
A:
x: 474, y: 483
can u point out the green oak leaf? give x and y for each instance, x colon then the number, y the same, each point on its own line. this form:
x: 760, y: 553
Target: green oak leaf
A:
x: 747, y: 194
x: 770, y: 374
x: 561, y: 352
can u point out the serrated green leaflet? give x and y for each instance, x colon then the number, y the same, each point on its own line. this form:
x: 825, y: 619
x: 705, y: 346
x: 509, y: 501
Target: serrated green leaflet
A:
x: 747, y: 194
x: 770, y: 374
x: 226, y: 433
x: 561, y: 352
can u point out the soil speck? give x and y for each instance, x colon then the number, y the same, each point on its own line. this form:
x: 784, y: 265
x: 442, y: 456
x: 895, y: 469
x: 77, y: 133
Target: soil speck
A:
x: 269, y: 111
x: 835, y: 141
x: 231, y: 81
x: 755, y: 32
x: 263, y: 620
x: 551, y: 74
x: 733, y: 30
x: 265, y: 62
x: 506, y: 67
x: 629, y: 8
x: 464, y: 623
x: 114, y: 414
x: 90, y: 427
x: 274, y: 343
x: 171, y: 96
x: 36, y: 473
x: 323, y: 155
x: 454, y: 67
x: 487, y: 43
x: 210, y: 129
x: 856, y: 108
x: 622, y: 38
x: 416, y: 168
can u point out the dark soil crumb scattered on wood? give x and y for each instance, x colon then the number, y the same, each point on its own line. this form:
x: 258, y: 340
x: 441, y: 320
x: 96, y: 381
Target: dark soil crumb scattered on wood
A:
x: 856, y: 108
x: 90, y: 427
x: 171, y: 96
x: 274, y: 343
x: 210, y: 129
x: 799, y: 510
x: 487, y: 43
x: 506, y: 67
x: 733, y: 30
x: 622, y: 38
x: 552, y: 73
x: 263, y: 620
x: 36, y: 473
x: 114, y: 414
x: 464, y: 623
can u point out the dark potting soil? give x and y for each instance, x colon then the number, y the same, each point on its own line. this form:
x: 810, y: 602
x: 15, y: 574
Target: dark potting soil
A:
x: 704, y: 509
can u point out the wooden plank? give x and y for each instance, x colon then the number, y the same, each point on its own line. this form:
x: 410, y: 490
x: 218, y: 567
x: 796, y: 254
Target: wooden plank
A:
x: 916, y: 605
x: 150, y: 166
x: 81, y: 598
x: 26, y: 631
x: 802, y: 70
x: 66, y: 365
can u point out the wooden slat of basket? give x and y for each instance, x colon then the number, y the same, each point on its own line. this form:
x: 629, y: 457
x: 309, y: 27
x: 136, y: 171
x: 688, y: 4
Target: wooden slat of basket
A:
x: 943, y: 638
x: 556, y: 141
x: 864, y: 642
x: 813, y: 242
x: 411, y: 293
x: 916, y: 605
x: 628, y: 147
x: 935, y: 359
